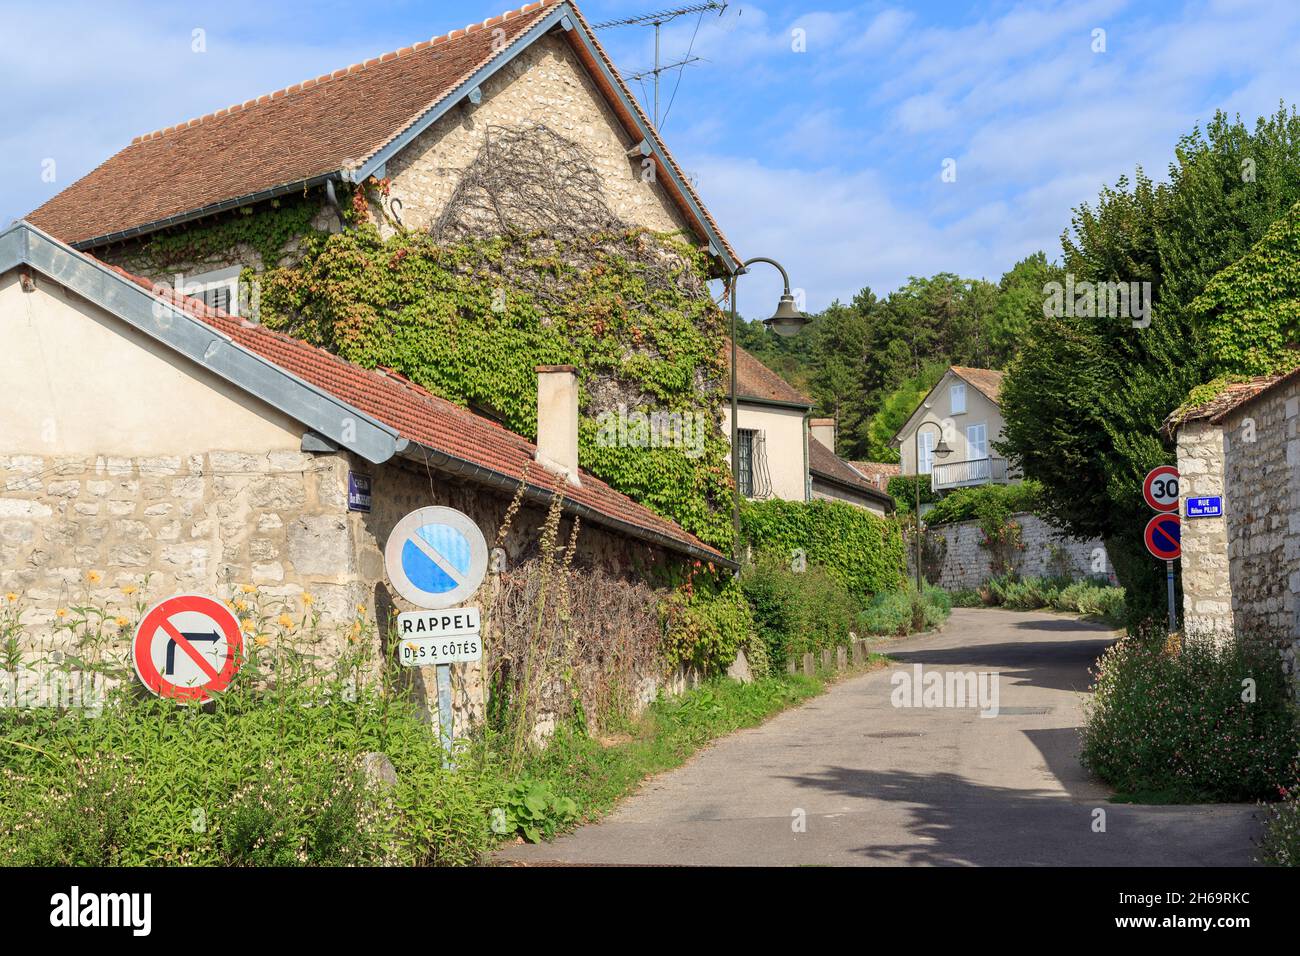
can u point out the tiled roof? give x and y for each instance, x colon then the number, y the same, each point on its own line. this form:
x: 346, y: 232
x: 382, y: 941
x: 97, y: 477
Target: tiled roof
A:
x: 824, y: 463
x: 877, y: 472
x: 1232, y: 397
x: 756, y: 380
x: 313, y: 130
x: 986, y: 380
x: 424, y: 418
x: 294, y: 135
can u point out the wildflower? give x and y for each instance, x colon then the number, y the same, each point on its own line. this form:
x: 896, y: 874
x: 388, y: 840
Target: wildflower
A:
x: 121, y: 621
x: 241, y: 605
x: 247, y: 625
x: 261, y: 640
x: 94, y: 577
x: 284, y: 620
x: 247, y: 588
x: 307, y: 599
x: 129, y: 590
x: 11, y: 597
x: 61, y: 613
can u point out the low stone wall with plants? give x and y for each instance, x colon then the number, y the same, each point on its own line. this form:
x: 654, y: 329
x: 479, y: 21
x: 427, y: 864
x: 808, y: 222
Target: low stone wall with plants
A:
x: 966, y: 555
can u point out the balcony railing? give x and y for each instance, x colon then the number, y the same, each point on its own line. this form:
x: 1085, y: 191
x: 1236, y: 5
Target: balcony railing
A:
x: 962, y: 474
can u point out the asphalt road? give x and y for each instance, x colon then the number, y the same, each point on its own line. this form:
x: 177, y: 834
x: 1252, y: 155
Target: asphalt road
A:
x: 876, y: 784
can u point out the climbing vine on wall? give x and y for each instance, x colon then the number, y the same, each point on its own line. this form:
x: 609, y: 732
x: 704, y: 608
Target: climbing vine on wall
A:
x: 266, y: 227
x: 1251, y: 310
x: 472, y: 320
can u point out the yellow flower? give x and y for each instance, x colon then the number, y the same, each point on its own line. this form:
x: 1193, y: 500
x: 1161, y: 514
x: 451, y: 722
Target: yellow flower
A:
x: 247, y: 588
x: 261, y: 640
x: 361, y: 609
x: 307, y: 599
x: 247, y: 625
x: 11, y: 597
x: 284, y: 620
x: 129, y: 590
x: 122, y: 622
x: 241, y: 605
x: 61, y: 613
x: 94, y: 577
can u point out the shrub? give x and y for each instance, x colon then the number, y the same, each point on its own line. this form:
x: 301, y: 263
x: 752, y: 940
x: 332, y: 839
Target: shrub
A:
x: 1183, y: 724
x: 796, y: 612
x: 902, y: 612
x: 902, y: 488
x: 862, y: 551
x: 1089, y: 598
x: 991, y: 504
x: 1280, y: 845
x: 704, y: 627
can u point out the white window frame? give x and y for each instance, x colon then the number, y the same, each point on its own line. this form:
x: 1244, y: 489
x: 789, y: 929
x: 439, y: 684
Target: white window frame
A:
x: 209, y: 286
x: 982, y: 428
x: 926, y: 464
x: 957, y: 398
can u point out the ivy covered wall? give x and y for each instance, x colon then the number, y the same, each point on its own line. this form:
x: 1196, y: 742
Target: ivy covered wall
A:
x: 471, y: 321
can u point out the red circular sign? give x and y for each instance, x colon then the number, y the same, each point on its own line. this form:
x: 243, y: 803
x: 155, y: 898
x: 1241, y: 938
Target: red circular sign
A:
x: 1163, y: 537
x: 167, y: 654
x: 1160, y: 488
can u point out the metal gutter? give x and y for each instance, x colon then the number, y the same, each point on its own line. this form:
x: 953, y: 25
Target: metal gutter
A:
x: 462, y: 468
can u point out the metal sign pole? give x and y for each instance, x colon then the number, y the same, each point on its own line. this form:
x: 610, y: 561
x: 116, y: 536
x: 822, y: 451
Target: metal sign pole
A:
x: 444, y: 710
x: 1169, y: 580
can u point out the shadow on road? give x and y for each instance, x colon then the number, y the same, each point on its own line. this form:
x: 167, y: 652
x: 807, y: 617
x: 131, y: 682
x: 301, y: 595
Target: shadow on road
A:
x: 1056, y: 664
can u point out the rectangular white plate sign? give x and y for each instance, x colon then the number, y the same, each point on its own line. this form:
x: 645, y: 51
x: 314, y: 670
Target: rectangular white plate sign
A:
x: 450, y: 636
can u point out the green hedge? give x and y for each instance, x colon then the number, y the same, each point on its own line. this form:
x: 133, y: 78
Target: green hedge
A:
x: 796, y: 612
x: 989, y: 504
x: 862, y: 551
x: 902, y: 488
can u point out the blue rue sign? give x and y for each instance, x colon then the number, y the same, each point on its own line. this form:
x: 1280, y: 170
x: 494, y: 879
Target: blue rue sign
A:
x: 1211, y: 507
x: 359, y: 498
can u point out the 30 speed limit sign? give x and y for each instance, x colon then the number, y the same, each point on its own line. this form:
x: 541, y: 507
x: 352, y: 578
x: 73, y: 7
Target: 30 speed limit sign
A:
x: 1160, y: 488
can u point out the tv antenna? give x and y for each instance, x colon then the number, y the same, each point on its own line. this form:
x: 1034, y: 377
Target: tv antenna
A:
x: 657, y: 20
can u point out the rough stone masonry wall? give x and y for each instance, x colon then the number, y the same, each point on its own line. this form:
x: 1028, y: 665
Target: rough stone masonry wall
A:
x: 1047, y: 552
x: 1262, y: 485
x: 174, y: 524
x: 1207, y: 597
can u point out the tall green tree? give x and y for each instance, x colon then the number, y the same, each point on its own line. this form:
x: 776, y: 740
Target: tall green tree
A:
x: 1085, y: 399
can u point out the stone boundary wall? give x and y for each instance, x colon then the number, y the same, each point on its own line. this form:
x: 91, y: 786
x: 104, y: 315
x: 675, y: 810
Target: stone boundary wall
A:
x: 1047, y: 552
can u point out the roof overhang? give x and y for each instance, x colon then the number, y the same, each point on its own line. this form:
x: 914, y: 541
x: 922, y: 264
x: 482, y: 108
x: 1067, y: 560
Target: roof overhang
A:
x: 22, y: 244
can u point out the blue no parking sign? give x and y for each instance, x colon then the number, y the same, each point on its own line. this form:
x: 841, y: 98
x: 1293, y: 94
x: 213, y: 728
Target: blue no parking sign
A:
x: 436, y: 557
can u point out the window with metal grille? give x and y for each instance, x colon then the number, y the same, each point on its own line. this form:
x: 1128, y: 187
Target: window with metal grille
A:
x: 746, y: 438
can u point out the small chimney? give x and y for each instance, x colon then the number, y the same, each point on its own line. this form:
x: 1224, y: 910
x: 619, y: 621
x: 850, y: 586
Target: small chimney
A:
x: 823, y: 429
x: 557, y: 420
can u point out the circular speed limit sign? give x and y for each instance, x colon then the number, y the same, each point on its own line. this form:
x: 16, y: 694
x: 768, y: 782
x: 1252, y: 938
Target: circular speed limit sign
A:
x: 1160, y: 488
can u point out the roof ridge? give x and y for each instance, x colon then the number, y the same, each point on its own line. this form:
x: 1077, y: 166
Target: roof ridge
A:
x: 344, y: 71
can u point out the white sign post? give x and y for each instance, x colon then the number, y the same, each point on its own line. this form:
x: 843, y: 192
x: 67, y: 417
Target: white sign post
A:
x: 436, y: 557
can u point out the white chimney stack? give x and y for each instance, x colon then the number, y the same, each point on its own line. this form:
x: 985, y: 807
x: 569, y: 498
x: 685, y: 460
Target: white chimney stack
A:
x: 823, y: 429
x: 557, y: 420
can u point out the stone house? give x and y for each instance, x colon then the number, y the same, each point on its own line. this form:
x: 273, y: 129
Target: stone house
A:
x: 964, y: 407
x: 784, y: 452
x: 423, y: 133
x: 1241, y: 570
x: 149, y: 435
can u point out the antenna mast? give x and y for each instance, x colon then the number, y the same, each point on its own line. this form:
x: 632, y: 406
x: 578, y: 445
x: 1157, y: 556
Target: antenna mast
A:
x: 657, y: 20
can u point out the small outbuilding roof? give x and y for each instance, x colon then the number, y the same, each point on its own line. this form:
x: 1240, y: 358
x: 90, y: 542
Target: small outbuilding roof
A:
x: 826, y: 465
x: 755, y: 381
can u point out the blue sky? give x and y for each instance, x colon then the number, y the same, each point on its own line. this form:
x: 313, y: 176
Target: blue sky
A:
x: 829, y: 159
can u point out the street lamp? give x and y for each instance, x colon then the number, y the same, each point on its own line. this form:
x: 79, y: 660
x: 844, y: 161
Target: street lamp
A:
x: 943, y: 451
x: 785, y: 322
